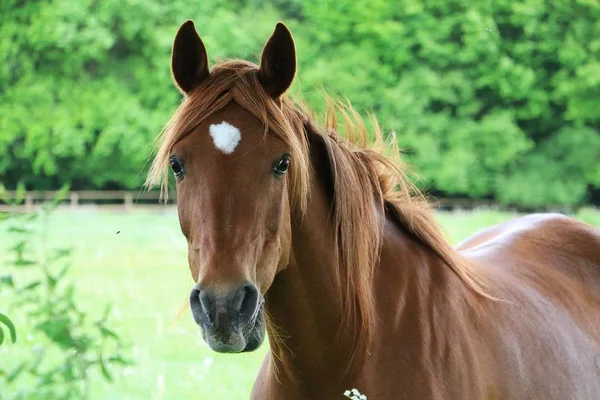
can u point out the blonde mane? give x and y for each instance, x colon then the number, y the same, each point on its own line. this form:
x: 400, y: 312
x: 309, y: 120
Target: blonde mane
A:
x: 357, y: 163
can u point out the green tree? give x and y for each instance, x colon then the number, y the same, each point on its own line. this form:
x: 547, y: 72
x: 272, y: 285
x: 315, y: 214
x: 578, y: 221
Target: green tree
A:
x: 493, y: 99
x: 480, y: 94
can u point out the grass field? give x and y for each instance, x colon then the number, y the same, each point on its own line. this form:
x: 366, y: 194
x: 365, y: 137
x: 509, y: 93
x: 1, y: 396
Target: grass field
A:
x: 142, y: 271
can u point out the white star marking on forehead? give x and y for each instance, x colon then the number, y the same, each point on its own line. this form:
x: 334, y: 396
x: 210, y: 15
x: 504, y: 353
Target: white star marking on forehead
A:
x: 225, y: 136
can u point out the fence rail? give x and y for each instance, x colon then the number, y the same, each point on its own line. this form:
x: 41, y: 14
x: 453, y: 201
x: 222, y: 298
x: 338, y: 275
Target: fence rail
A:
x: 125, y: 200
x: 122, y: 199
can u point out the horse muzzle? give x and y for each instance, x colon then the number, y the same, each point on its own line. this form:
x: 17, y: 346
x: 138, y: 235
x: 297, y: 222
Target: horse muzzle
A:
x: 232, y: 320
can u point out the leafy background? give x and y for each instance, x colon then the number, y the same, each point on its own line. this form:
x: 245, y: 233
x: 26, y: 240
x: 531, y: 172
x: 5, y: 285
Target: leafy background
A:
x: 490, y: 99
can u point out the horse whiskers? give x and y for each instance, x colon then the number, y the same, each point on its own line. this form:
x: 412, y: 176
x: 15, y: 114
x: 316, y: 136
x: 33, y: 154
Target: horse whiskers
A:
x: 252, y: 321
x: 277, y: 333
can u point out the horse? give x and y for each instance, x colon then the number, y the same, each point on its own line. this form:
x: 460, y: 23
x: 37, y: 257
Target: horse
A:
x: 313, y: 233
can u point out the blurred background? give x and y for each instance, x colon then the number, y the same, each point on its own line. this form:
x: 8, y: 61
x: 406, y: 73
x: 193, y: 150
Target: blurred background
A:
x: 495, y: 105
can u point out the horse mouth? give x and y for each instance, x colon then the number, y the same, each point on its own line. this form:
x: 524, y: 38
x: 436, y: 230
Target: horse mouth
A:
x: 236, y: 340
x: 255, y: 334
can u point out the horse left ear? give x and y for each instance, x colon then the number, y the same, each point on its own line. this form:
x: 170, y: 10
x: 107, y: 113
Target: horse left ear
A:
x: 278, y: 62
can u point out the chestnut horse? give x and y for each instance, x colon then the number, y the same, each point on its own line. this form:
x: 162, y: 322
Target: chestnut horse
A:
x: 322, y: 241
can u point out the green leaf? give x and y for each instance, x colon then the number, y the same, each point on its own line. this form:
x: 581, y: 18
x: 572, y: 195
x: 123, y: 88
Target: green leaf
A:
x: 24, y: 263
x: 119, y: 360
x: 62, y: 272
x: 105, y: 332
x: 59, y: 331
x: 59, y: 253
x: 7, y: 279
x: 18, y: 229
x: 16, y: 372
x: 13, y: 332
x: 32, y: 285
x: 51, y: 282
x: 54, y: 279
x: 104, y: 369
x: 19, y: 246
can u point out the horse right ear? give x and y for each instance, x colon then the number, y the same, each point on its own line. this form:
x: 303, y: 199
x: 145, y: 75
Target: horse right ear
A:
x: 189, y: 61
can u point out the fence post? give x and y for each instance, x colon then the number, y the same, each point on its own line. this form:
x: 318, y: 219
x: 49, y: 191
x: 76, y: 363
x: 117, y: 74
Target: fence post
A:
x: 74, y: 199
x: 28, y: 202
x: 128, y: 201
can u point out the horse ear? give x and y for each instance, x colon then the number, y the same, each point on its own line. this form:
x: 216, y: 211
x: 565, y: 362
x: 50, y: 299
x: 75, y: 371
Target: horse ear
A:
x: 278, y: 62
x: 189, y: 61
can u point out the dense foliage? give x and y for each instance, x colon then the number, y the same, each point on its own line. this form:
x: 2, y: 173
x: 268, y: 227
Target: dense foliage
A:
x: 489, y: 99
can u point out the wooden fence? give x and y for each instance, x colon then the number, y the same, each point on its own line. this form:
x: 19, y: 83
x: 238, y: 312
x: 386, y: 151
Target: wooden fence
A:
x: 105, y: 199
x: 128, y: 200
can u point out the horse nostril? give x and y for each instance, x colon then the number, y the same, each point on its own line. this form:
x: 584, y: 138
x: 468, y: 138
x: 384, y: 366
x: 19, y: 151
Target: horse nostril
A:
x: 195, y: 299
x: 200, y: 303
x: 238, y: 306
x: 205, y: 302
x: 246, y: 301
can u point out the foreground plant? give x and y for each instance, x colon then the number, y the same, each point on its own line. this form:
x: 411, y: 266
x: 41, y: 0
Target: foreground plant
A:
x: 11, y: 327
x: 68, y: 346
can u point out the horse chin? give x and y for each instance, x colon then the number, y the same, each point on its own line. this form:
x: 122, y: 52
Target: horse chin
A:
x: 237, y: 341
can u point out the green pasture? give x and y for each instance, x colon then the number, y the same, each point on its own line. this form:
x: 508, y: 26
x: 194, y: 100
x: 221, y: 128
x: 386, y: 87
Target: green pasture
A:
x: 138, y: 263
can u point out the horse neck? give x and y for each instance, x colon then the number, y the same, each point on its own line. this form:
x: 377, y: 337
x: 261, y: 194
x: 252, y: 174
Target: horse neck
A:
x: 304, y: 310
x: 302, y: 305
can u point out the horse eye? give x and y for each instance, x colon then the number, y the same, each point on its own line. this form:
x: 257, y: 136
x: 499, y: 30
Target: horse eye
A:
x: 282, y: 165
x: 176, y: 167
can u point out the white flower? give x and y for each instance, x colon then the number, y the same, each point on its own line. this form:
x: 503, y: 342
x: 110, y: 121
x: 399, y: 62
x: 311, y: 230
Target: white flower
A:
x: 354, y: 394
